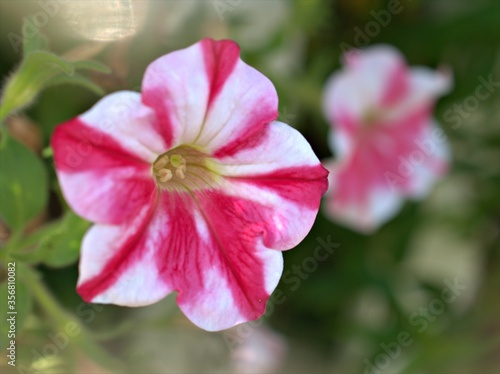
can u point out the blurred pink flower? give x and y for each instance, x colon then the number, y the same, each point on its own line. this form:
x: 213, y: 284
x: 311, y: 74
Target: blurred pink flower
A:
x: 385, y: 139
x: 193, y: 186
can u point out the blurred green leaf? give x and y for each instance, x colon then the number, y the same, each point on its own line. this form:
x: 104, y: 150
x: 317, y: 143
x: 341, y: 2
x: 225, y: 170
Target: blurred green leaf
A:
x: 40, y: 69
x: 78, y: 80
x: 57, y: 244
x: 91, y: 65
x: 23, y: 183
x: 63, y: 247
x: 22, y: 306
x: 35, y: 71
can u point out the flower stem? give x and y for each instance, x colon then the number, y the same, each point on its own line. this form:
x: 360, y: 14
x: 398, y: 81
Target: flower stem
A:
x: 42, y: 295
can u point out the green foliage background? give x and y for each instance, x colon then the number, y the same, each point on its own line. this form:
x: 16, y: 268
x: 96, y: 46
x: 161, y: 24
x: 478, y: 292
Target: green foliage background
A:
x: 333, y: 319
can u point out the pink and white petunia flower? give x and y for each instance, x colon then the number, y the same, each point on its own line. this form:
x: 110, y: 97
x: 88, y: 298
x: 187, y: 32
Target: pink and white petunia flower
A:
x: 193, y: 185
x: 387, y: 144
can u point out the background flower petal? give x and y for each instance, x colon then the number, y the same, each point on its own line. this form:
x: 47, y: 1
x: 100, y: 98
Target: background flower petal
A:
x: 365, y: 209
x: 368, y: 187
x: 372, y: 80
x: 425, y: 86
x: 430, y: 162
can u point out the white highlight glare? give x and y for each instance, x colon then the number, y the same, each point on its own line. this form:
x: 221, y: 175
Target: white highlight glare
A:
x: 106, y: 20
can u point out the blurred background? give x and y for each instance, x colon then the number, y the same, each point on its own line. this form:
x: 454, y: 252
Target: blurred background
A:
x: 378, y: 303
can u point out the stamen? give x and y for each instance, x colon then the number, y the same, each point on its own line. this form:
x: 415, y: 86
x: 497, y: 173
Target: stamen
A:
x: 165, y: 175
x: 180, y: 171
x: 184, y: 168
x: 162, y: 162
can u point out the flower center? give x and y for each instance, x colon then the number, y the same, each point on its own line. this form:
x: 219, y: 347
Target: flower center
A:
x: 184, y: 168
x: 370, y: 118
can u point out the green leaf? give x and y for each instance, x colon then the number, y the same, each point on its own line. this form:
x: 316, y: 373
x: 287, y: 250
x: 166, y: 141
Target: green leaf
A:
x: 23, y: 183
x: 36, y: 70
x: 78, y: 80
x: 57, y: 244
x: 18, y: 300
x: 40, y: 69
x: 63, y: 247
x: 26, y: 250
x: 92, y: 65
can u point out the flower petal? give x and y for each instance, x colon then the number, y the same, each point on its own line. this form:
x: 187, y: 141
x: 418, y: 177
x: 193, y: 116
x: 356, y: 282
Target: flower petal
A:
x: 240, y: 272
x: 117, y: 263
x: 279, y: 171
x: 277, y: 146
x: 340, y: 143
x: 364, y: 209
x: 386, y: 139
x: 368, y: 187
x: 209, y: 250
x: 246, y: 103
x: 361, y: 195
x: 103, y: 168
x: 425, y: 87
x: 372, y: 80
x: 206, y: 95
x: 290, y: 201
x: 381, y: 112
x: 430, y: 162
x: 123, y: 117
